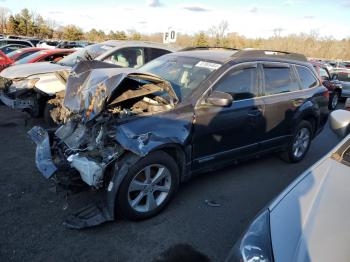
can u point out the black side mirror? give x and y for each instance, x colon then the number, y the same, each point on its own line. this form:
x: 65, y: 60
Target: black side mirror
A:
x: 220, y: 99
x: 325, y: 78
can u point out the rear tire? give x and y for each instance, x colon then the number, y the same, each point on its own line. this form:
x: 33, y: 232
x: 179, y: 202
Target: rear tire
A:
x: 299, y: 144
x: 333, y: 100
x: 140, y: 196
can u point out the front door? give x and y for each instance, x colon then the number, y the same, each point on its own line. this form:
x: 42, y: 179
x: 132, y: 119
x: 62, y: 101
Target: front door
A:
x: 226, y: 133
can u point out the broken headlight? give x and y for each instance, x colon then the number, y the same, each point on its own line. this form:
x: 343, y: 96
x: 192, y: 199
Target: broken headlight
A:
x: 255, y: 245
x: 22, y: 84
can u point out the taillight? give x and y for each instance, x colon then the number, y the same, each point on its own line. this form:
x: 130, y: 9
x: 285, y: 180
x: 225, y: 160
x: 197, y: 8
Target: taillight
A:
x: 326, y: 93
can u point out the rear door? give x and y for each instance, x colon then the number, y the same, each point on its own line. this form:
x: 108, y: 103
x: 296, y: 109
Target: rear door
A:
x: 282, y: 96
x: 225, y: 133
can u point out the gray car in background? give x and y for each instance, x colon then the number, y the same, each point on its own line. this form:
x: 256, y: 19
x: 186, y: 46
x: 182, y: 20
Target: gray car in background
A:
x: 309, y: 220
x: 30, y: 86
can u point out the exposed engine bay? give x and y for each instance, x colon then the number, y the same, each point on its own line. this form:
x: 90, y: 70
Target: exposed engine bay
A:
x: 93, y: 87
x: 94, y: 103
x: 90, y: 147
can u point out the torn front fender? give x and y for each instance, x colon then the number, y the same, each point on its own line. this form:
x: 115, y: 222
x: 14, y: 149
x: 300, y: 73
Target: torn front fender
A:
x: 149, y: 133
x: 43, y: 158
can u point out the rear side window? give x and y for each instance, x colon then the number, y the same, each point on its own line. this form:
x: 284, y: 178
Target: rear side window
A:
x: 345, y: 77
x: 279, y: 80
x: 153, y: 53
x: 54, y: 57
x: 240, y: 83
x: 306, y: 77
x: 132, y: 57
x: 18, y: 42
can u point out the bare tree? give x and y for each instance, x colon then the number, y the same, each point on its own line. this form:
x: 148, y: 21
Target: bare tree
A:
x: 277, y: 32
x: 4, y: 14
x: 218, y: 32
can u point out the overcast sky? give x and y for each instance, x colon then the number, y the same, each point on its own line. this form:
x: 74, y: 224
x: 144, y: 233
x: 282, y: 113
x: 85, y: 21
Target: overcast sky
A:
x: 249, y: 18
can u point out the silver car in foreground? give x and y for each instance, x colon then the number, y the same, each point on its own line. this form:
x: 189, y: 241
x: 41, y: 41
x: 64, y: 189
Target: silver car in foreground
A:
x: 309, y: 220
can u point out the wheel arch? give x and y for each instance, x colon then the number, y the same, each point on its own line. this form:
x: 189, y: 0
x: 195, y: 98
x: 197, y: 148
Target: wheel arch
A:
x: 120, y: 169
x: 178, y: 154
x: 313, y: 120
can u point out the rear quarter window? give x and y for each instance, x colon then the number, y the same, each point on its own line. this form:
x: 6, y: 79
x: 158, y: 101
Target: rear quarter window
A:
x: 307, y: 79
x: 153, y: 53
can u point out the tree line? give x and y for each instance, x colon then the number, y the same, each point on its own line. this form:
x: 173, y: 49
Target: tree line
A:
x: 30, y: 24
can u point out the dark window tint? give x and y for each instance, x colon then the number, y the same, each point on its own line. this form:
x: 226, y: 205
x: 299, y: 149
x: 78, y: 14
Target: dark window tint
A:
x: 132, y: 57
x: 279, y: 80
x: 153, y: 53
x: 19, y: 42
x: 240, y: 83
x: 324, y: 73
x: 306, y: 77
x: 25, y: 54
x: 55, y: 57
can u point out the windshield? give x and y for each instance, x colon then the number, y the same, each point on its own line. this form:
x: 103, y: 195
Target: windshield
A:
x: 87, y: 53
x: 29, y: 58
x: 184, y: 73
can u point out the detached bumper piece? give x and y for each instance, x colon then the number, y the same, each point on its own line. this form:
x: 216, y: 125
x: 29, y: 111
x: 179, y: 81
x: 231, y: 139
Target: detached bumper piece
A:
x: 43, y: 158
x: 91, y: 215
x: 16, y: 103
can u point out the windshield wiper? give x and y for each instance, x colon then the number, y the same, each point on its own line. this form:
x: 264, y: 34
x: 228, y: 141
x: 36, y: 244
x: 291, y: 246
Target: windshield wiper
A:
x: 88, y: 56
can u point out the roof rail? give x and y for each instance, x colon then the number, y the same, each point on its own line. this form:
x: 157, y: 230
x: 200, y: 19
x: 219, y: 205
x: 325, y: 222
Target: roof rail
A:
x: 207, y: 48
x: 270, y: 53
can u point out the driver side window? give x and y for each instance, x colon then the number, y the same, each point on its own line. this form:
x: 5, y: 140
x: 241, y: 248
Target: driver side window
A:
x: 127, y: 57
x: 240, y: 83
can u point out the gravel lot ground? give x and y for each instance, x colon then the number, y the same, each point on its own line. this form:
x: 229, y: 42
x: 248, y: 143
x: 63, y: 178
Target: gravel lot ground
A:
x: 31, y: 215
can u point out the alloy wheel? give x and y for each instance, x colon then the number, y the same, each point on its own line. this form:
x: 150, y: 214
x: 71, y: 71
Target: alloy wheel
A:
x: 301, y: 142
x: 335, y: 100
x: 149, y: 188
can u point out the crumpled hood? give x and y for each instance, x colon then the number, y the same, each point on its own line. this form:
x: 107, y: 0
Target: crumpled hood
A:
x: 91, y: 84
x: 26, y: 70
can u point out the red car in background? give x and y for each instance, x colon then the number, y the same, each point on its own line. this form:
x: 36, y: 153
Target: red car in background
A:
x: 12, y: 57
x: 334, y: 86
x: 53, y: 55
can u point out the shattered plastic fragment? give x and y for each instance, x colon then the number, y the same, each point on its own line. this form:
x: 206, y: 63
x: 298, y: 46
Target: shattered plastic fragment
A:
x: 89, y: 216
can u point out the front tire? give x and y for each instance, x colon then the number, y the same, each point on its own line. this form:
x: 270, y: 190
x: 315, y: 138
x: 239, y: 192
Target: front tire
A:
x: 148, y: 186
x: 299, y: 144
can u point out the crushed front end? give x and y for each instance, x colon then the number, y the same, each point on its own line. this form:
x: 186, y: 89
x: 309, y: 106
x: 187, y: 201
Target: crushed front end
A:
x: 86, y: 149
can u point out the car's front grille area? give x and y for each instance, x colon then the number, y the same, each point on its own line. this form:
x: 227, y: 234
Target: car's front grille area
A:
x: 5, y: 83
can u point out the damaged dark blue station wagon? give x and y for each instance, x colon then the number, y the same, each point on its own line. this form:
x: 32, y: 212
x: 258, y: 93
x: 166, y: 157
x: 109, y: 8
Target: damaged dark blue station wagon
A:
x: 137, y: 134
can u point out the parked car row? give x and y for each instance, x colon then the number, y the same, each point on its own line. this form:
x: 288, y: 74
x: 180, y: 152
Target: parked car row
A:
x: 134, y: 120
x: 336, y: 81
